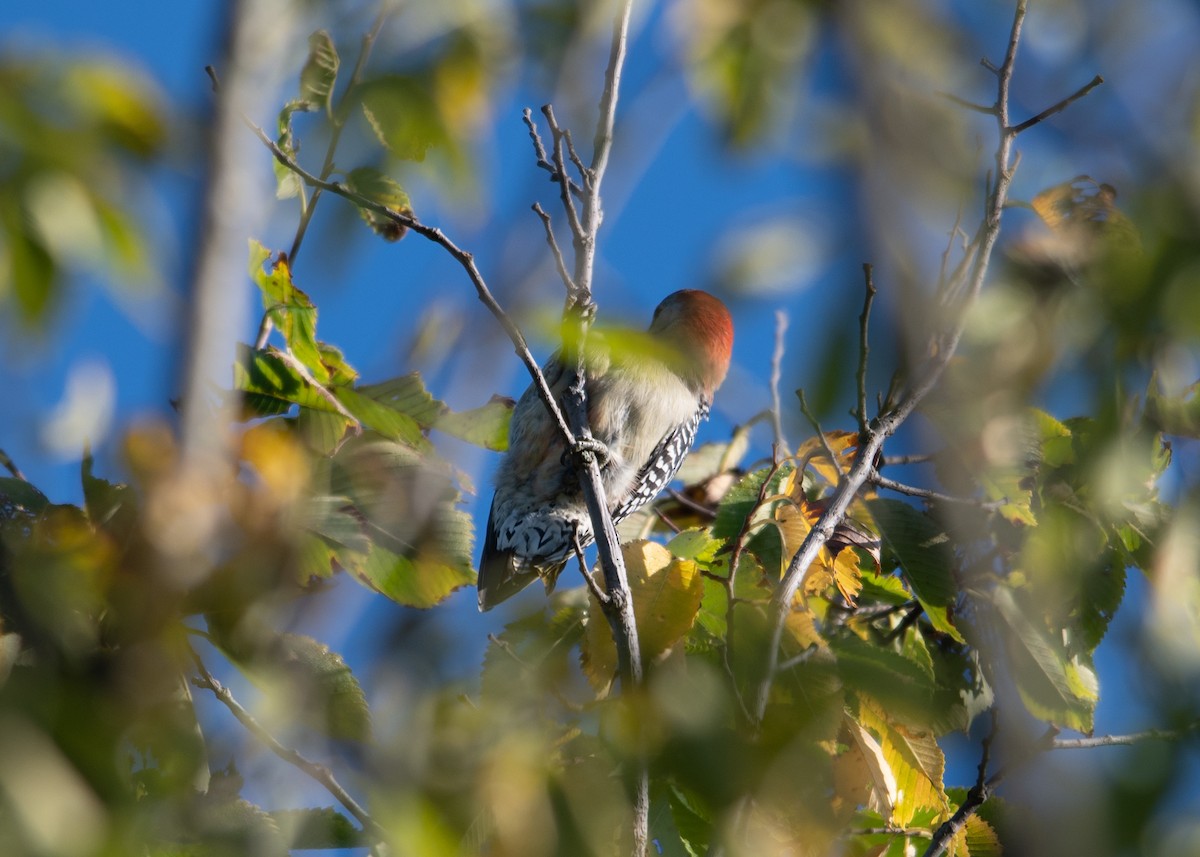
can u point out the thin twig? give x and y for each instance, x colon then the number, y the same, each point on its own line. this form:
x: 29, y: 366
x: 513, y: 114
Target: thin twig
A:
x: 687, y: 502
x: 559, y: 262
x: 897, y: 460
x: 781, y: 326
x: 338, y: 123
x: 601, y: 596
x: 834, y: 461
x: 11, y: 466
x: 564, y: 190
x: 1121, y: 740
x: 864, y: 347
x: 879, y: 480
x: 969, y: 105
x: 315, y: 770
x: 1060, y: 106
x: 976, y: 796
x: 463, y: 257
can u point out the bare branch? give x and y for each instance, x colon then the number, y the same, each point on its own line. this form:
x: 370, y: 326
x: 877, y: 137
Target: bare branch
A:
x: 878, y: 479
x: 976, y: 796
x: 1060, y: 106
x: 864, y: 348
x: 559, y: 262
x: 1122, y: 740
x: 11, y: 466
x: 315, y: 770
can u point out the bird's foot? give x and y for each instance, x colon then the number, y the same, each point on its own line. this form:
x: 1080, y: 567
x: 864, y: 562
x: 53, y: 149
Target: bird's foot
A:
x: 585, y: 446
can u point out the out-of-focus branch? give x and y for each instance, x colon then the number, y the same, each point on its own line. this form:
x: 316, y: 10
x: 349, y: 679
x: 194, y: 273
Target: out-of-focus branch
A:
x: 864, y: 347
x: 781, y: 326
x: 315, y: 770
x: 11, y: 466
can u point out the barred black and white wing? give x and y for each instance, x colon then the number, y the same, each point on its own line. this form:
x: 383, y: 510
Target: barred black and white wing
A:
x: 662, y: 465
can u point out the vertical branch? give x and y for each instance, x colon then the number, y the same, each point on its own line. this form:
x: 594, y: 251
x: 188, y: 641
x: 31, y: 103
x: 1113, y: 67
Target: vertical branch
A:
x: 781, y: 326
x: 257, y: 31
x: 887, y: 423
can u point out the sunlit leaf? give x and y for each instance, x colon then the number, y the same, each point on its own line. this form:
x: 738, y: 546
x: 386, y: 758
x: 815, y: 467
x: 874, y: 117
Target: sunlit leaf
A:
x: 291, y: 310
x: 402, y: 113
x: 666, y: 597
x: 915, y: 760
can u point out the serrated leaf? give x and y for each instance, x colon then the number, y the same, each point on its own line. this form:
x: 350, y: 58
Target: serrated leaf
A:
x: 812, y: 453
x: 867, y: 753
x: 915, y: 760
x: 384, y: 190
x: 923, y: 550
x: 272, y: 386
x: 320, y: 70
x: 692, y: 821
x: 795, y: 521
x: 905, y: 688
x: 292, y: 312
x: 386, y: 420
x: 742, y: 501
x: 666, y: 595
x: 413, y: 582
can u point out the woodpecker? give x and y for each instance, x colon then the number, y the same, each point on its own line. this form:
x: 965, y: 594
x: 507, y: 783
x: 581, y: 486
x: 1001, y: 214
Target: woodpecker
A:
x: 643, y: 408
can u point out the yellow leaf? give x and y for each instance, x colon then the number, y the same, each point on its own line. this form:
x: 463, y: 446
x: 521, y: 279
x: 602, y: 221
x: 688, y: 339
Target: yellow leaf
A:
x: 666, y: 598
x: 812, y: 453
x: 841, y: 570
x: 915, y: 760
x: 884, y: 791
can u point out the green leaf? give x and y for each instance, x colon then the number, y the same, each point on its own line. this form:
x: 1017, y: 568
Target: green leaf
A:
x: 413, y: 582
x: 922, y: 548
x: 904, y: 688
x: 407, y: 395
x: 485, y: 426
x: 401, y: 111
x: 388, y: 421
x: 305, y: 681
x: 1054, y: 686
x: 18, y: 497
x: 287, y: 183
x: 318, y: 829
x: 742, y: 500
x: 319, y: 74
x: 915, y: 761
x: 692, y: 820
x: 292, y: 312
x: 384, y: 190
x: 110, y: 506
x: 272, y: 386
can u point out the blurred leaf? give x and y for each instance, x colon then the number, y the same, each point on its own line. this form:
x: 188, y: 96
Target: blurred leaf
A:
x: 318, y: 829
x: 18, y: 497
x: 110, y: 506
x: 1054, y: 687
x: 401, y: 111
x: 666, y: 595
x: 383, y: 189
x: 1177, y: 415
x: 305, y: 681
x: 692, y: 820
x: 922, y: 548
x: 320, y: 71
x: 485, y: 426
x: 418, y: 581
